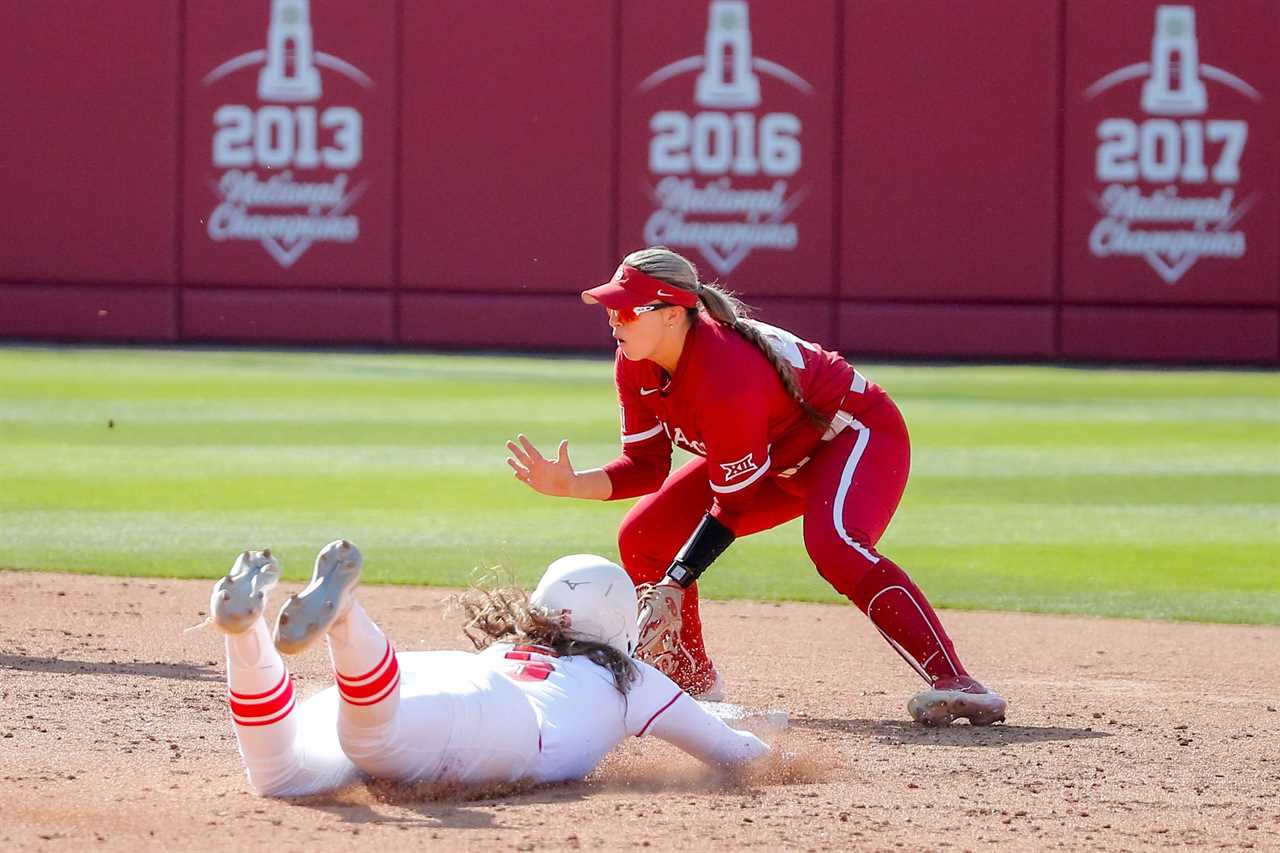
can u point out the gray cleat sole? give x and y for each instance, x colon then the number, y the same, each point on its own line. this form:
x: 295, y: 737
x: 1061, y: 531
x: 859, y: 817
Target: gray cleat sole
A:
x: 239, y: 598
x: 309, y: 615
x: 943, y: 707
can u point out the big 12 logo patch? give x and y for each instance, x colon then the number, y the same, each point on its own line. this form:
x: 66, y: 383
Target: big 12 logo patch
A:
x: 307, y: 151
x: 1189, y: 163
x: 722, y: 174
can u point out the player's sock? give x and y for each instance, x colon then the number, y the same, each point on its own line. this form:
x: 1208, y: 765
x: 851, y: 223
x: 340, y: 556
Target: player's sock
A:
x: 365, y: 667
x: 262, y: 707
x: 260, y: 687
x: 897, y: 607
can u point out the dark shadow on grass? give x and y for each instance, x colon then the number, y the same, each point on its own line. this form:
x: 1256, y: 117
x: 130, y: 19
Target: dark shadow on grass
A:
x: 150, y: 669
x: 959, y: 734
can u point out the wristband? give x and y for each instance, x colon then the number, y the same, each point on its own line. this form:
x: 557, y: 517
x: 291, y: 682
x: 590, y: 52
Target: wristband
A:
x: 709, y: 540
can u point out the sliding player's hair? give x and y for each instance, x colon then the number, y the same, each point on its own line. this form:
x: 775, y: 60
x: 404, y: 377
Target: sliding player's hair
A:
x: 504, y: 615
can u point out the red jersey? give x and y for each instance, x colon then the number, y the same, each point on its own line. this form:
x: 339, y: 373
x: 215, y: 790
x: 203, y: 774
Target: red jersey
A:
x: 725, y: 402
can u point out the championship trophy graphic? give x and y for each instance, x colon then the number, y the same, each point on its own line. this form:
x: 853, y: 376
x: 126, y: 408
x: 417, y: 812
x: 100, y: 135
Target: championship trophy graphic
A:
x: 287, y: 168
x: 1170, y: 185
x: 1175, y: 36
x: 727, y: 80
x: 725, y: 150
x: 289, y: 75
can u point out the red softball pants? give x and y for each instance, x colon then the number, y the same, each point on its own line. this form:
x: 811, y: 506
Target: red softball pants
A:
x: 847, y: 493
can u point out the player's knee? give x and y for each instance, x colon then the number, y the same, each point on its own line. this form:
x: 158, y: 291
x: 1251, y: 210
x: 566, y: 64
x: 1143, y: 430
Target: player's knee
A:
x: 844, y: 561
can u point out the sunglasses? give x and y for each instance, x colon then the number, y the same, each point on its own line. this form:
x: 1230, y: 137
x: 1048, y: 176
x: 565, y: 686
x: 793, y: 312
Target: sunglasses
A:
x: 622, y: 316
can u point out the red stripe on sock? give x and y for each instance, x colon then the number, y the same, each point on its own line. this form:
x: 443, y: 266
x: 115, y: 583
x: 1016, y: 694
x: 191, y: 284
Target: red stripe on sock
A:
x: 351, y: 678
x: 373, y: 688
x: 248, y: 697
x: 275, y: 719
x: 258, y: 710
x: 390, y: 690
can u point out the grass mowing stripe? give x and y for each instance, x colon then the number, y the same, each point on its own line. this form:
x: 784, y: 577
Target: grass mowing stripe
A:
x: 1116, y: 492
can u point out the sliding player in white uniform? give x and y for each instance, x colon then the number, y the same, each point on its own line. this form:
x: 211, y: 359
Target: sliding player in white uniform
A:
x: 552, y: 692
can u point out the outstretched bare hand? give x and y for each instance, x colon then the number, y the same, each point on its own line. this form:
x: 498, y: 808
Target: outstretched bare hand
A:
x: 549, y: 476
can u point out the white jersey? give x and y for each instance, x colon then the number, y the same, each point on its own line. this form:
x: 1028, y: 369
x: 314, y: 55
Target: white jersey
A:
x: 458, y: 719
x: 581, y: 715
x: 507, y: 714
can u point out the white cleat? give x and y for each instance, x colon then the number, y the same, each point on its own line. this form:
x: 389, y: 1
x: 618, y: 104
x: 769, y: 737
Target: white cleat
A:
x: 239, y: 598
x: 308, y: 616
x: 950, y: 699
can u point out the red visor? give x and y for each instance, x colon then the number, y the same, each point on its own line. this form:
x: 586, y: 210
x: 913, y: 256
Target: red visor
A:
x: 630, y: 288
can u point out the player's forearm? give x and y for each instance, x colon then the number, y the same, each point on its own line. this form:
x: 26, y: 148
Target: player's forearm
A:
x: 688, y: 726
x: 590, y: 484
x: 635, y: 474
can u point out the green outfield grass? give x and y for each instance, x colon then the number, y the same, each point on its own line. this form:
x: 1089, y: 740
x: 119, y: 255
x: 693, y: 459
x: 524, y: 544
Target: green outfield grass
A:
x: 1110, y: 492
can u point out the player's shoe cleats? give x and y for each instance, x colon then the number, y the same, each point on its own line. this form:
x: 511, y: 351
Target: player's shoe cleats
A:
x: 707, y: 686
x: 307, y: 615
x: 950, y: 699
x: 239, y: 598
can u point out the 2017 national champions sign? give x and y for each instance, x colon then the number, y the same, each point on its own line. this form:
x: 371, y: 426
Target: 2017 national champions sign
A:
x: 1171, y: 155
x: 288, y: 132
x: 726, y: 140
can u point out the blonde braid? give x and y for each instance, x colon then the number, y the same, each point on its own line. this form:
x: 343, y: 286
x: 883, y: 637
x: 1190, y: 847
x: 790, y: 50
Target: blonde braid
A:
x: 724, y: 307
x: 782, y: 367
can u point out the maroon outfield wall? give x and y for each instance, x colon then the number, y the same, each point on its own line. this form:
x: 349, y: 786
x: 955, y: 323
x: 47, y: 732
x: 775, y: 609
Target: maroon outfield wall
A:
x: 1029, y: 179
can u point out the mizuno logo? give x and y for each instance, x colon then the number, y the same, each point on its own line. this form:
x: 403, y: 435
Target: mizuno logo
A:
x: 645, y: 392
x: 573, y: 586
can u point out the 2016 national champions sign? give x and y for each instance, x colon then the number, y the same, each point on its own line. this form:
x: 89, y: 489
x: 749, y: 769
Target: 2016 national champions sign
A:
x: 726, y: 140
x: 1171, y: 155
x: 288, y: 143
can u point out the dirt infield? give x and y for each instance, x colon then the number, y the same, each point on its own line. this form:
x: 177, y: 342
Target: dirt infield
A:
x: 114, y: 734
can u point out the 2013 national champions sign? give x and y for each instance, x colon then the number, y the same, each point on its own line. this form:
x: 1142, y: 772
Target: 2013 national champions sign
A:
x: 280, y: 161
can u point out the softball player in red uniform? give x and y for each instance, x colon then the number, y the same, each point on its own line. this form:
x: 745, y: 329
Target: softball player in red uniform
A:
x: 554, y: 689
x: 781, y: 428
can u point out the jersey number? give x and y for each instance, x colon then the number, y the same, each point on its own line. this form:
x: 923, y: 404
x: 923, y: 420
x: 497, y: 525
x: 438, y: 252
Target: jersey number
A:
x: 534, y: 670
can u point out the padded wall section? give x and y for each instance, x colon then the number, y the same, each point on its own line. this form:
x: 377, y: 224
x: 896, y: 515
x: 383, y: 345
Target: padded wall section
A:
x: 811, y: 319
x: 508, y: 148
x: 945, y: 331
x: 557, y: 322
x: 88, y: 160
x: 1172, y: 166
x: 325, y: 317
x: 289, y: 143
x: 950, y: 149
x: 727, y: 139
x: 95, y: 312
x: 501, y: 322
x: 1208, y: 335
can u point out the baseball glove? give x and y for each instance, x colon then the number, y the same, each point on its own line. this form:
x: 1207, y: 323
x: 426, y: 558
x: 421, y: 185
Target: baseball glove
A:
x: 660, y: 644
